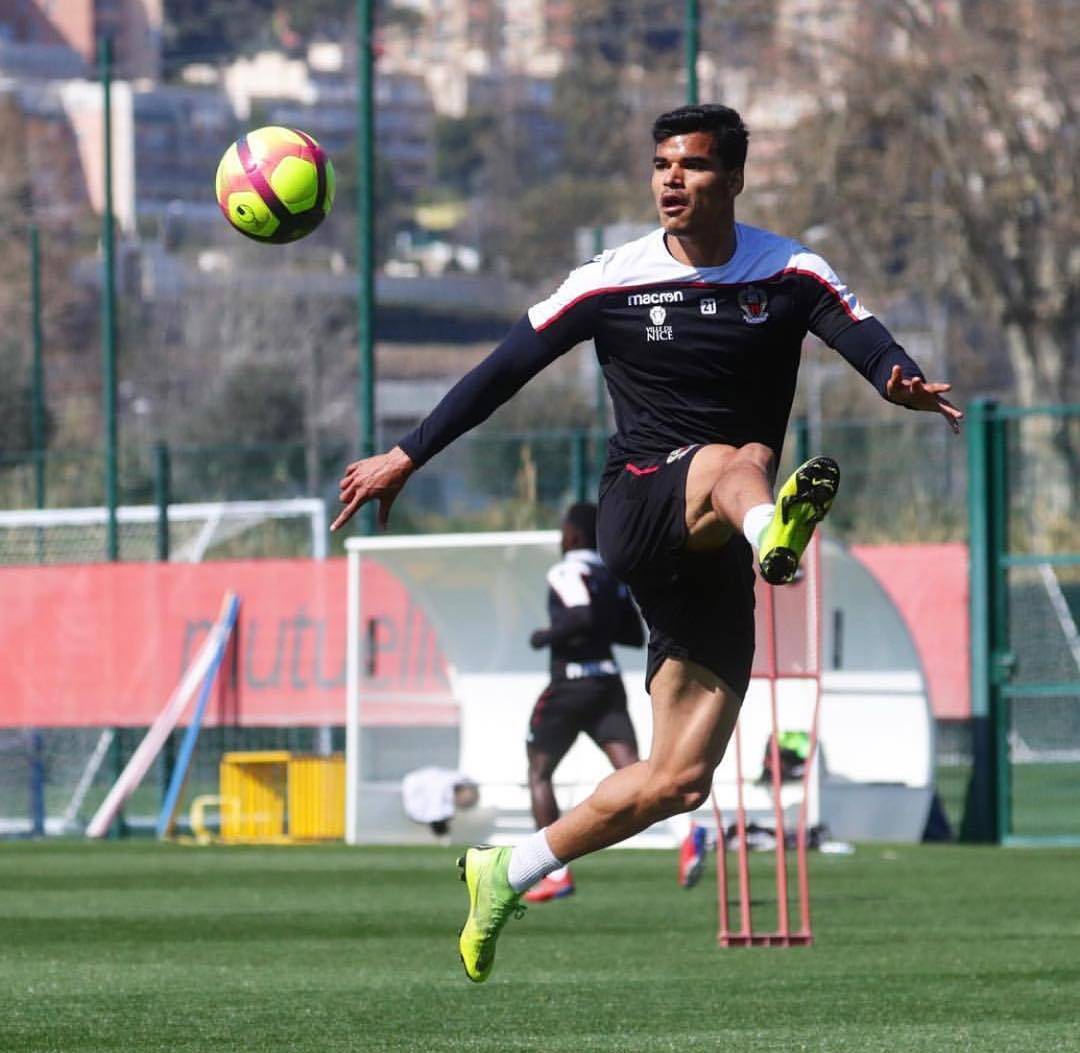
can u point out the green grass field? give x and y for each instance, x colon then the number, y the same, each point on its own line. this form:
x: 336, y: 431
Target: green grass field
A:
x: 140, y: 947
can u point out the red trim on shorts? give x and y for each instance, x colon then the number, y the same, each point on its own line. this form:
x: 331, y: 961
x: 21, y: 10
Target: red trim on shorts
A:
x: 633, y: 469
x: 534, y: 717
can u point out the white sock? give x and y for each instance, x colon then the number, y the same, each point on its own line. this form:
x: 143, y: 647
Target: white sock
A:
x: 559, y: 873
x: 755, y: 521
x: 530, y: 861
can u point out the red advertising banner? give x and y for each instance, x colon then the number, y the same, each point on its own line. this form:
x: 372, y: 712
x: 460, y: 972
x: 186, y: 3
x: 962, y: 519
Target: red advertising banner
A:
x: 929, y: 585
x: 104, y: 645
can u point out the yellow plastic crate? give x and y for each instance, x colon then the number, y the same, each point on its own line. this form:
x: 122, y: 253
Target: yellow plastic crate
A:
x: 317, y: 798
x: 256, y: 781
x: 275, y: 796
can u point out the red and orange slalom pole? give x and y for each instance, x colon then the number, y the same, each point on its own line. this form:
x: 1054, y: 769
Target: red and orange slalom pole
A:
x: 783, y: 936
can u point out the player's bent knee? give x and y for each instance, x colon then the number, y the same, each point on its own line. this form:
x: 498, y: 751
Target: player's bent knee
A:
x: 693, y: 800
x: 693, y: 796
x: 540, y: 776
x: 757, y: 454
x: 673, y: 795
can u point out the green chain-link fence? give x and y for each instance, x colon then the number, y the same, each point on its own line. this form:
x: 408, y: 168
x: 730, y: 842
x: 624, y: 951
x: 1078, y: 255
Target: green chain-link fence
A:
x: 903, y: 482
x: 1025, y: 556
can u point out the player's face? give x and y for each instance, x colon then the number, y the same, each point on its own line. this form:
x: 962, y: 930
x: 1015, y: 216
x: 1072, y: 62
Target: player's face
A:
x: 694, y: 192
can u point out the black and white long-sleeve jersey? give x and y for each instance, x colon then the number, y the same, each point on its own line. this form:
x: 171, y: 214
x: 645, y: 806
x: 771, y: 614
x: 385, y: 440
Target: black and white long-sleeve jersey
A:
x: 589, y: 610
x: 690, y: 354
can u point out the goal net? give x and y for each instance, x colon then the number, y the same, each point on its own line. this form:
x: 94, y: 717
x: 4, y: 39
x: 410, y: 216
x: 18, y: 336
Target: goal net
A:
x: 53, y: 777
x: 194, y: 531
x: 483, y: 595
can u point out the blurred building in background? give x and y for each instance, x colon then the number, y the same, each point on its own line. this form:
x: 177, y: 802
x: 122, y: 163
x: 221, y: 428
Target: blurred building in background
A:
x: 59, y: 37
x: 456, y: 43
x: 508, y: 132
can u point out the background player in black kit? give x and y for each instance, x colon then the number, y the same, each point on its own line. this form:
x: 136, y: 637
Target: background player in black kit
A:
x: 698, y: 327
x: 588, y: 611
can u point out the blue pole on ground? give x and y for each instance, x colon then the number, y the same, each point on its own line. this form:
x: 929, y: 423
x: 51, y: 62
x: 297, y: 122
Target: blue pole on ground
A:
x: 191, y: 735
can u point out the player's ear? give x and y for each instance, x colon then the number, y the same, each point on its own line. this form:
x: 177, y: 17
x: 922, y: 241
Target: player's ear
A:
x: 735, y: 181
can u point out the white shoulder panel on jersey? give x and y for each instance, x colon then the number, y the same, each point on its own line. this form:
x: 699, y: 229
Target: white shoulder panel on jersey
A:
x: 759, y: 254
x: 812, y: 265
x: 639, y: 262
x: 568, y: 581
x: 645, y: 262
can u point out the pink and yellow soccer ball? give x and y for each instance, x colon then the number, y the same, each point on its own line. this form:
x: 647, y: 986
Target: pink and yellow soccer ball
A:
x: 275, y: 184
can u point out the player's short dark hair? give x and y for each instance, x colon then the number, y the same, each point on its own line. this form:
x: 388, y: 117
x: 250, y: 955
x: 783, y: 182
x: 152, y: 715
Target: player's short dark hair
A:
x: 582, y: 517
x: 730, y: 135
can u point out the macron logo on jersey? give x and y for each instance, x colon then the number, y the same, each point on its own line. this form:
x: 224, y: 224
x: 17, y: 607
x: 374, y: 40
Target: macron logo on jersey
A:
x: 647, y: 299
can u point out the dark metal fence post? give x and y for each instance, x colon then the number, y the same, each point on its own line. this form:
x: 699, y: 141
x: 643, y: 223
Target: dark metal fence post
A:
x: 980, y: 821
x: 365, y: 219
x: 802, y: 439
x: 693, y: 43
x: 1000, y: 658
x: 168, y: 764
x: 119, y: 826
x: 600, y: 412
x: 37, y: 782
x: 37, y: 383
x: 579, y: 465
x: 108, y: 311
x: 162, y: 498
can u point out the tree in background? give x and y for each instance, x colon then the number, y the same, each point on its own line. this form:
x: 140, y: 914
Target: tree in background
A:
x: 43, y: 186
x: 216, y: 30
x: 525, y: 456
x: 947, y: 163
x: 267, y: 363
x: 461, y: 145
x: 604, y: 159
x: 16, y: 430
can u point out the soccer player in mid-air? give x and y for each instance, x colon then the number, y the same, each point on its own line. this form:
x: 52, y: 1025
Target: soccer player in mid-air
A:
x: 698, y: 327
x: 588, y: 611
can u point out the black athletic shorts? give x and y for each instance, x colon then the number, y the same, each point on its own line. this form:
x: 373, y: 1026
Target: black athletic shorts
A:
x: 698, y: 605
x: 593, y: 704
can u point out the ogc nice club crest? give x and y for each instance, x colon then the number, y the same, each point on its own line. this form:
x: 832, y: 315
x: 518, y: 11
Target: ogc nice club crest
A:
x: 754, y: 305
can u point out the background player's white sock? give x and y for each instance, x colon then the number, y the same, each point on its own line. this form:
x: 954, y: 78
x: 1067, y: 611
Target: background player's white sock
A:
x: 530, y: 861
x: 755, y: 521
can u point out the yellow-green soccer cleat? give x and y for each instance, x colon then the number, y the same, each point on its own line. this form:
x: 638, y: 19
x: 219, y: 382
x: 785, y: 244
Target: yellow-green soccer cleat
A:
x: 800, y: 505
x: 491, y: 902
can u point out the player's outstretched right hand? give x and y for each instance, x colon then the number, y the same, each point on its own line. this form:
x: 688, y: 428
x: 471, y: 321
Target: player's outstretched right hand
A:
x: 374, y: 478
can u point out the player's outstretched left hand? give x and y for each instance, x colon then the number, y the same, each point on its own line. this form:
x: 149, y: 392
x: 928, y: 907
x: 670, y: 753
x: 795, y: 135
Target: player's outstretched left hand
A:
x: 917, y: 394
x: 379, y: 478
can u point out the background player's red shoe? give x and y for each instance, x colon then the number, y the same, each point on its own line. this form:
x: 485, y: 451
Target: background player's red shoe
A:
x: 551, y: 888
x: 692, y: 856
